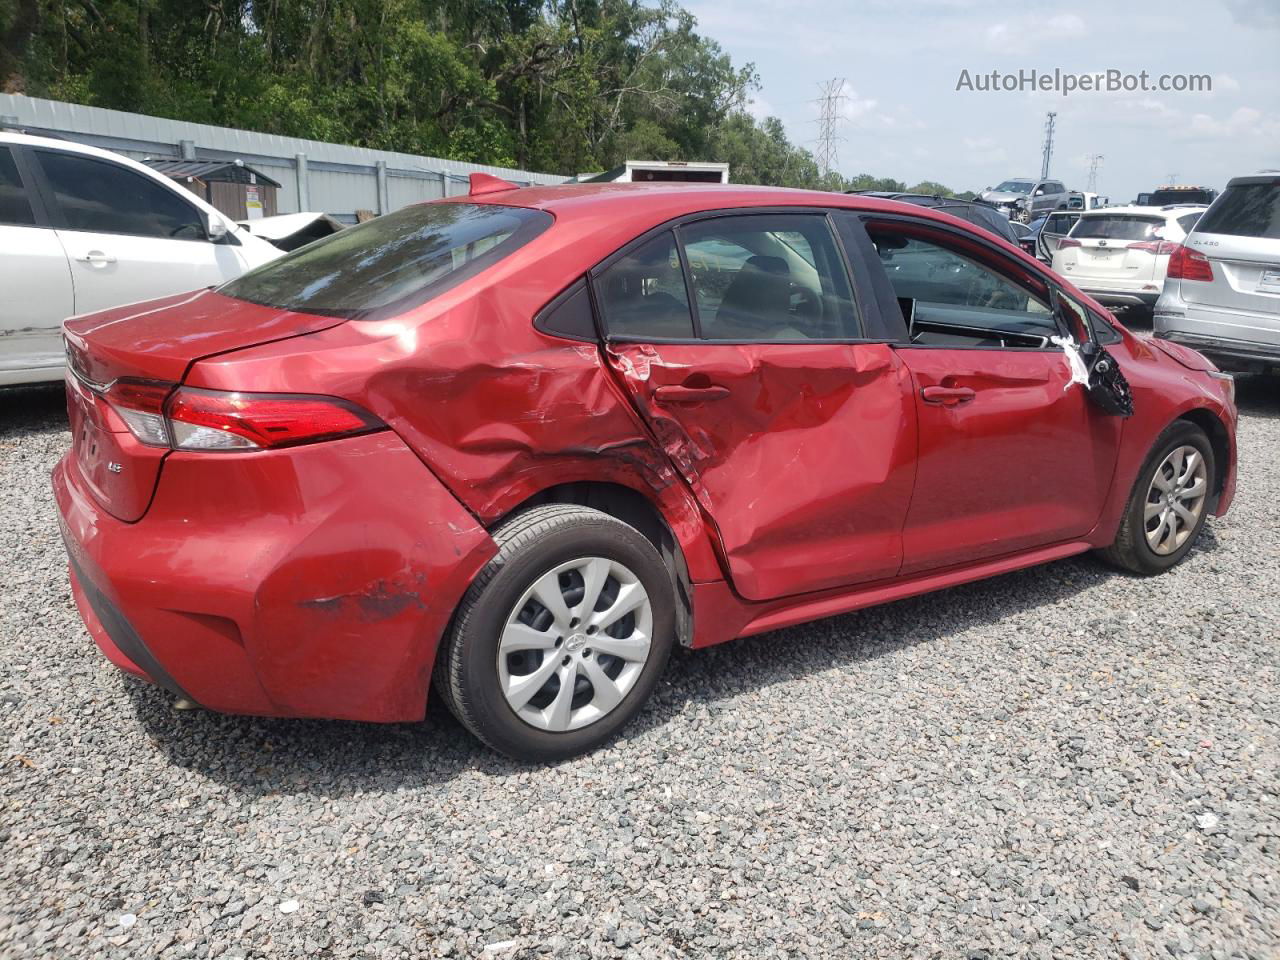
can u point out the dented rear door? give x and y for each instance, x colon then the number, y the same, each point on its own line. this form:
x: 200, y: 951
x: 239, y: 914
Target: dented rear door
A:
x: 801, y: 453
x: 803, y: 456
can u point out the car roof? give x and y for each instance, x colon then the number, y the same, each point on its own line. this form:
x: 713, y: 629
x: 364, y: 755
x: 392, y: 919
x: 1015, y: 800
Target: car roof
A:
x: 1266, y: 177
x: 1168, y: 212
x: 647, y: 201
x: 67, y: 146
x: 614, y: 213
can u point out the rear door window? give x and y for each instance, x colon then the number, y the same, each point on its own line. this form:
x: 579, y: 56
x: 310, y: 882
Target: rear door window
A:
x: 15, y: 207
x: 643, y: 294
x: 391, y: 263
x: 98, y: 196
x: 1117, y: 228
x: 769, y: 277
x: 1245, y: 210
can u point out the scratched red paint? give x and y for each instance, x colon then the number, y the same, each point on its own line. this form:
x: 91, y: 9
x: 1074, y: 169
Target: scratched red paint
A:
x: 316, y: 580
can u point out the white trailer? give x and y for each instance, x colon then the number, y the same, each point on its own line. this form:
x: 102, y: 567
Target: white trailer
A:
x: 659, y: 171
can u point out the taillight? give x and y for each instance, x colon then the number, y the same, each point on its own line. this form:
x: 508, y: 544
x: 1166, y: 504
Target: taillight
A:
x: 140, y: 404
x: 216, y: 420
x: 1188, y: 264
x: 1161, y: 248
x: 194, y: 419
x: 1068, y: 242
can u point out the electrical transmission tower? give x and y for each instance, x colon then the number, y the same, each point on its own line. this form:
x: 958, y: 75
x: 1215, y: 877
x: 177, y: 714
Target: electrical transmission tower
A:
x: 1050, y: 117
x: 831, y: 107
x: 1094, y: 160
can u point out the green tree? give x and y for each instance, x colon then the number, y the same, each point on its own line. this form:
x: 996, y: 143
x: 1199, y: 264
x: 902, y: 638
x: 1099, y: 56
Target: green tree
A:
x: 562, y: 85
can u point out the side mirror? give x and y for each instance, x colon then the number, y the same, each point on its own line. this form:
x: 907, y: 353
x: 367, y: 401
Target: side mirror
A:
x: 216, y: 229
x: 1039, y: 191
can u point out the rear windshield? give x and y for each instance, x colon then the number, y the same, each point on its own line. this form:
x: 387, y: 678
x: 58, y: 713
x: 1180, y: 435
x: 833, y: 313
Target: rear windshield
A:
x: 1245, y: 210
x: 391, y: 263
x: 1117, y: 228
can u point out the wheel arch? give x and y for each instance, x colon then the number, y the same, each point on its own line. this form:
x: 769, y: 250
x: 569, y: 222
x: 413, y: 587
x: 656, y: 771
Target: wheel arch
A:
x: 635, y: 509
x: 1219, y: 441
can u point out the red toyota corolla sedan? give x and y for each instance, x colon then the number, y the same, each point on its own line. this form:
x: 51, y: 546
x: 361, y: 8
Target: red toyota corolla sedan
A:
x: 521, y: 442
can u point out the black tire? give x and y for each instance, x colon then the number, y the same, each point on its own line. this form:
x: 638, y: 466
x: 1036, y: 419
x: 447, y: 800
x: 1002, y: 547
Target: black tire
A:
x: 529, y: 545
x: 1130, y: 551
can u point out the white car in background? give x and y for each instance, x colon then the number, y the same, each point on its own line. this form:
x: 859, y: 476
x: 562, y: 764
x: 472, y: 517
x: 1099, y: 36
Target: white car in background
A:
x: 1119, y: 255
x: 1222, y: 294
x: 83, y: 229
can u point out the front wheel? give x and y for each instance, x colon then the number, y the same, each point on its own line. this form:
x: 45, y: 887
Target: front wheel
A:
x: 1169, y: 503
x: 562, y: 636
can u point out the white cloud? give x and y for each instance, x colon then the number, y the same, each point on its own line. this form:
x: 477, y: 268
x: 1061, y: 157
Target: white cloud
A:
x: 1027, y: 32
x: 1255, y: 13
x: 985, y: 151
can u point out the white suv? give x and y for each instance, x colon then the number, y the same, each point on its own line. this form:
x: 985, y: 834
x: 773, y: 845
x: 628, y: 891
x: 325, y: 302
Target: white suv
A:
x: 1222, y: 295
x: 82, y: 229
x: 1119, y: 255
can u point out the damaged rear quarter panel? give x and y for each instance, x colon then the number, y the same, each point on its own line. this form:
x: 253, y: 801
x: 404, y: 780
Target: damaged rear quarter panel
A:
x: 497, y: 410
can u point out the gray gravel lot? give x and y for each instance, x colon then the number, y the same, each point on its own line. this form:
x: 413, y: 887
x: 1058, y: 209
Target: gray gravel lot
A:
x: 1064, y: 762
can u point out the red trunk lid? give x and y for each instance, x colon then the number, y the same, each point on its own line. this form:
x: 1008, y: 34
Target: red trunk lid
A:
x: 157, y: 340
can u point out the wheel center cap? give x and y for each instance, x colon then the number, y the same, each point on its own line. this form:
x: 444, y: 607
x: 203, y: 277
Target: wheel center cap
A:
x: 575, y: 642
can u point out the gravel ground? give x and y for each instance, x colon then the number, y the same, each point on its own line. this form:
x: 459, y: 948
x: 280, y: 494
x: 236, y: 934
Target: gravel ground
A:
x: 1064, y: 762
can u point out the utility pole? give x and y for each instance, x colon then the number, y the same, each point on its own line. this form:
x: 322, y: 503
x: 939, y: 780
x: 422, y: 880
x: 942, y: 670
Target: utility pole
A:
x: 1171, y: 178
x: 831, y: 113
x: 1050, y: 117
x: 1094, y: 160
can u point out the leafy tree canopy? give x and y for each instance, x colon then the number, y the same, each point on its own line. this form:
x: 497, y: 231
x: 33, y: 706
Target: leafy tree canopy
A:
x: 570, y: 87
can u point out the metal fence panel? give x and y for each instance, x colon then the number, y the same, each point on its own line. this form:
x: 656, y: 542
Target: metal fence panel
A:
x: 332, y: 177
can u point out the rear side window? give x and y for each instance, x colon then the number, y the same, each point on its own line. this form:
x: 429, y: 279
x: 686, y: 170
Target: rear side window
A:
x: 103, y: 197
x: 1190, y: 220
x: 391, y: 263
x: 643, y: 294
x: 15, y: 208
x: 1117, y: 228
x: 1245, y: 210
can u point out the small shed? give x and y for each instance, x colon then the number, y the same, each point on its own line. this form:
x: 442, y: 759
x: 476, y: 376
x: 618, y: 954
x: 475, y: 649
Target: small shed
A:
x: 240, y: 192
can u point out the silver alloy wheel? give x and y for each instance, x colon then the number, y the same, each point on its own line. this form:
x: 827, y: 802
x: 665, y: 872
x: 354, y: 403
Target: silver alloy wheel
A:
x: 575, y: 644
x: 1175, y: 499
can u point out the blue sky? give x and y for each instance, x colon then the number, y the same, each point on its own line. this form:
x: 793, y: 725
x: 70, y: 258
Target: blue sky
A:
x: 904, y: 117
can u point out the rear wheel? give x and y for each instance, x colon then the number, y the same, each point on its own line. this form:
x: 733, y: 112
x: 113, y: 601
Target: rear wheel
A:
x: 562, y: 636
x: 1169, y: 503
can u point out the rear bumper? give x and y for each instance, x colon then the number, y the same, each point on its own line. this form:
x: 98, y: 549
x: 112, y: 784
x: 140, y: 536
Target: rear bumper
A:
x: 1235, y: 340
x: 1117, y: 298
x: 314, y: 581
x: 1119, y: 293
x: 1226, y: 353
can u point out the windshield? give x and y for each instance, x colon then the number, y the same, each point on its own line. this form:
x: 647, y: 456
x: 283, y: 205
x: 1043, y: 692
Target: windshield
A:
x: 392, y: 263
x: 1117, y: 228
x: 1014, y: 186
